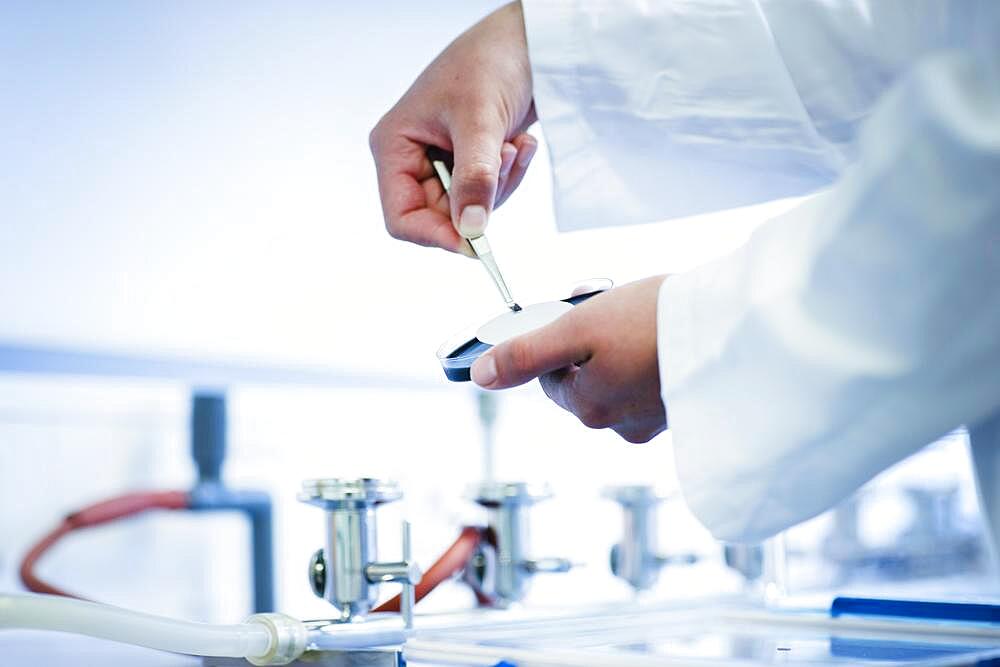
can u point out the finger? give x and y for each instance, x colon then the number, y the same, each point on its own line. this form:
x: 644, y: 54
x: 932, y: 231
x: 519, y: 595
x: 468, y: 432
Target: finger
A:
x: 477, y: 146
x: 591, y: 285
x: 553, y: 347
x: 527, y: 146
x: 638, y: 434
x: 555, y: 385
x: 402, y: 168
x: 507, y: 156
x: 573, y: 389
x: 427, y: 227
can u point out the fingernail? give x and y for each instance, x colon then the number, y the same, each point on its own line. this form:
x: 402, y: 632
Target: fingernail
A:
x: 472, y: 223
x: 507, y: 158
x: 525, y: 156
x: 484, y: 371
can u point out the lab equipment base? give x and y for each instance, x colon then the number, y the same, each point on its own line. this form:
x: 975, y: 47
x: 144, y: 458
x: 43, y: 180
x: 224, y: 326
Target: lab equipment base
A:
x: 362, y: 658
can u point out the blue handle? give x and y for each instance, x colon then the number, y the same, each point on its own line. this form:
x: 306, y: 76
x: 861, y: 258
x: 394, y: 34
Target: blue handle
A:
x: 208, y: 448
x: 208, y: 434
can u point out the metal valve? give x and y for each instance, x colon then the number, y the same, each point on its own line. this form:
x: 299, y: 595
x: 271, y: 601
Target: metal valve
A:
x: 634, y: 558
x: 500, y: 570
x: 346, y: 571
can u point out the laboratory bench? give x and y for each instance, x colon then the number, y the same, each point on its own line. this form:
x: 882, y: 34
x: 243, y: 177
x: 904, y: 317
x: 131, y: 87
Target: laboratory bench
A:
x: 32, y: 648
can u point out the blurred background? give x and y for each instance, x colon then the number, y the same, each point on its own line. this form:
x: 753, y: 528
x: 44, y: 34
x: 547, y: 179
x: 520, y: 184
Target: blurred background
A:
x: 191, y: 181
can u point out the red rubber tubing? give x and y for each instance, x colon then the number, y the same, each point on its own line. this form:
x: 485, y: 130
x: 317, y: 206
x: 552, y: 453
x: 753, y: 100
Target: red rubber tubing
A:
x: 452, y: 561
x: 95, y: 515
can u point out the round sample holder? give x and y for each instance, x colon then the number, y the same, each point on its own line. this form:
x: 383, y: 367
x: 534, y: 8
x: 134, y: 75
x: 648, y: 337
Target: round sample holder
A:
x: 459, y: 352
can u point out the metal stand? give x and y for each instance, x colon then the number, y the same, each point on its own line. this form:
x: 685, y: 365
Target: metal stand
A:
x: 346, y: 571
x: 635, y: 558
x: 208, y: 448
x: 500, y: 570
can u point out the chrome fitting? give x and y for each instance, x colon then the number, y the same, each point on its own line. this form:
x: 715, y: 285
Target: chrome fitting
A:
x: 500, y: 570
x: 346, y: 572
x: 635, y: 558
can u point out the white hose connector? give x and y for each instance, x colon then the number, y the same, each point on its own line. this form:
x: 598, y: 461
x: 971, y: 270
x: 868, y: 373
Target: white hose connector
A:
x: 288, y: 639
x: 264, y: 639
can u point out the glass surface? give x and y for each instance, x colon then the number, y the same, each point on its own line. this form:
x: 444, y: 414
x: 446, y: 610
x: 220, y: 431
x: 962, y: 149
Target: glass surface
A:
x: 715, y: 637
x: 762, y: 646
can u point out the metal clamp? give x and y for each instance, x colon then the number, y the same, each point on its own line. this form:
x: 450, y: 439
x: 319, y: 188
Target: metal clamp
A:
x: 634, y: 558
x: 346, y: 571
x: 500, y: 570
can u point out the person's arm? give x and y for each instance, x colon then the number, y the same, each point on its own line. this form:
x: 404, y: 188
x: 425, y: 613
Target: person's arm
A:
x: 853, y: 330
x: 656, y: 110
x: 844, y: 336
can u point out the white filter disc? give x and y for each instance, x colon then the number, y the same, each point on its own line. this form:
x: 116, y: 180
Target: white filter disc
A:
x: 512, y: 324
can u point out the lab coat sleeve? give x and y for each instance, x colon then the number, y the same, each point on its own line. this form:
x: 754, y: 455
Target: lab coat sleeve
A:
x: 852, y: 330
x: 656, y: 109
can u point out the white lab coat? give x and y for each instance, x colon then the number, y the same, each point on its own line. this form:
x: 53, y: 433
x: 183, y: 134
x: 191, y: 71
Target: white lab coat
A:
x: 849, y: 332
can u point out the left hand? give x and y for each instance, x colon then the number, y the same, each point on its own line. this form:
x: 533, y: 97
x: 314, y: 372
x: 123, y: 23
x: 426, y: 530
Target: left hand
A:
x: 598, y: 361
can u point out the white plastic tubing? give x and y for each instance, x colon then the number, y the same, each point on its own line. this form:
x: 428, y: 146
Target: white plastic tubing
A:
x: 252, y: 640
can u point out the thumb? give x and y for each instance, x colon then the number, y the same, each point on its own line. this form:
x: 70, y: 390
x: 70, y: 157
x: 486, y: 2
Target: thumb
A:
x: 553, y: 347
x: 476, y: 147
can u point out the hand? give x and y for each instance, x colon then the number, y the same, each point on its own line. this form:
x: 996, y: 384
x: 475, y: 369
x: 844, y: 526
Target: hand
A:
x: 598, y: 361
x: 475, y: 101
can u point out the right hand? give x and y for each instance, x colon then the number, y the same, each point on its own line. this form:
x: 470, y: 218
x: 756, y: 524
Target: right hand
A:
x: 474, y: 100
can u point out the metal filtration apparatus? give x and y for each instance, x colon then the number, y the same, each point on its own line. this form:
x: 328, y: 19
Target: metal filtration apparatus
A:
x: 346, y: 571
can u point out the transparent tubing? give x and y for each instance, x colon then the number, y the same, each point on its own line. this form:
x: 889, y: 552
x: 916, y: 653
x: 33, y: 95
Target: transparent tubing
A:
x: 262, y: 639
x: 378, y: 629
